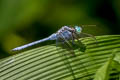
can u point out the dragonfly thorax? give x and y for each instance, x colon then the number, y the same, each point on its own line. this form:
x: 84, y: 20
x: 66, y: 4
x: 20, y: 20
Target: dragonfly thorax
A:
x: 66, y: 35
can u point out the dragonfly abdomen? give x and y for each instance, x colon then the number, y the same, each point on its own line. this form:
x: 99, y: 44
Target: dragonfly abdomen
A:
x: 30, y: 44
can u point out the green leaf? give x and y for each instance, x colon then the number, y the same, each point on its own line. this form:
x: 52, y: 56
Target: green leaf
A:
x: 117, y: 58
x: 104, y: 71
x: 116, y: 62
x: 116, y: 65
x: 45, y: 63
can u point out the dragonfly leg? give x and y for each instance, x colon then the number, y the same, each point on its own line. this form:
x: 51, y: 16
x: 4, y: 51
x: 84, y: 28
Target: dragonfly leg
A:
x: 82, y: 46
x: 73, y: 42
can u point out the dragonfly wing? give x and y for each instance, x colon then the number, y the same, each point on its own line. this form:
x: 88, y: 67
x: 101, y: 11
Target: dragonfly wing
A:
x: 67, y: 44
x: 82, y: 35
x: 64, y: 57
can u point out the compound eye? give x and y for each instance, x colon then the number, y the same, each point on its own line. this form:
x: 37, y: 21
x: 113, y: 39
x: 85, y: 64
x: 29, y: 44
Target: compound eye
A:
x: 78, y: 29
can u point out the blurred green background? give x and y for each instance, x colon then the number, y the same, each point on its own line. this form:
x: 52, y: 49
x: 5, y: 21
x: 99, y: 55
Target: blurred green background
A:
x: 24, y: 21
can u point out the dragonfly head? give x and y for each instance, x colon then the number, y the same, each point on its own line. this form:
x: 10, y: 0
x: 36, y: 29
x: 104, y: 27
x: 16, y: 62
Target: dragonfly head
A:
x: 78, y: 29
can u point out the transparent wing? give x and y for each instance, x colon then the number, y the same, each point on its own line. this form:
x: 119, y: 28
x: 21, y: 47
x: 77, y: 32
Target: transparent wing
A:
x: 88, y: 35
x: 68, y: 45
x: 82, y: 35
x: 64, y: 56
x: 82, y: 48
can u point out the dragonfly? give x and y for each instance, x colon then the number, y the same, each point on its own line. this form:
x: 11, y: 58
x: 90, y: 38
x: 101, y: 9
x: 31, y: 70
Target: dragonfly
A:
x: 64, y: 37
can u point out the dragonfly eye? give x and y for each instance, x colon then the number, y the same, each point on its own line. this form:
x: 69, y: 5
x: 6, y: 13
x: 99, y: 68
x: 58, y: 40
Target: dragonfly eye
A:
x: 78, y: 29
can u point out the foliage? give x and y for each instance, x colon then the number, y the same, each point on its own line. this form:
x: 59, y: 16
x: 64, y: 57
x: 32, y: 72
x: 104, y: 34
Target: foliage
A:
x: 45, y: 62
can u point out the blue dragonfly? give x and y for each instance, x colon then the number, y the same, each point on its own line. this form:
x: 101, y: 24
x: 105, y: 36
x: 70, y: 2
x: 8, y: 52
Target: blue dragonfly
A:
x: 64, y: 37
